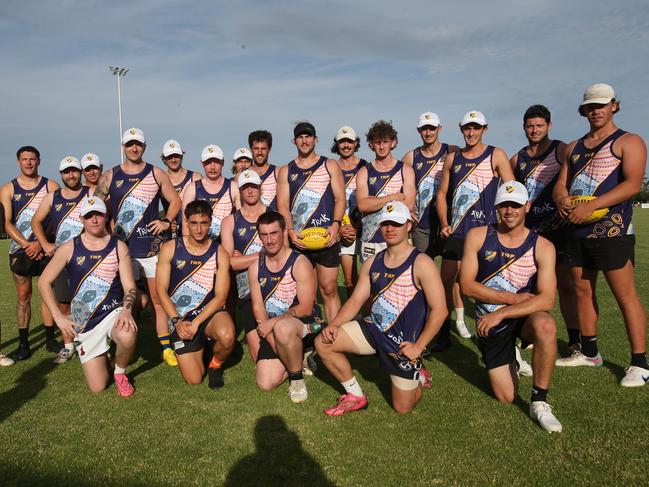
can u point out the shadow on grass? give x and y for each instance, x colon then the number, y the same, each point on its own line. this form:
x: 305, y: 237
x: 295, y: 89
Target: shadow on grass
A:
x: 617, y: 370
x: 148, y: 346
x: 279, y: 459
x: 30, y: 383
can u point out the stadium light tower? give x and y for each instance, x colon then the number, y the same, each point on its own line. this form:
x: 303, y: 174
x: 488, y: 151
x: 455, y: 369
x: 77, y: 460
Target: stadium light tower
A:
x: 119, y: 72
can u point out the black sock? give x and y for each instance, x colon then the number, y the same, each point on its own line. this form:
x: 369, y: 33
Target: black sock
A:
x: 49, y: 333
x: 539, y: 394
x: 295, y: 375
x: 573, y: 336
x: 639, y: 360
x: 589, y: 345
x: 23, y: 334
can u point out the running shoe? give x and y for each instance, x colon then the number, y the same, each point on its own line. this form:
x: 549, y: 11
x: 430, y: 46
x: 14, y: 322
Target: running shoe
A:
x: 5, y: 361
x: 462, y: 330
x: 541, y: 411
x: 297, y: 391
x: 215, y: 378
x: 169, y: 356
x: 578, y: 359
x: 124, y: 387
x: 425, y: 379
x: 347, y: 403
x: 635, y: 377
x: 64, y: 355
x: 522, y: 367
x: 23, y: 353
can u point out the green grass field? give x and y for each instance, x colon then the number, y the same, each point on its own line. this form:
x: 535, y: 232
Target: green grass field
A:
x: 53, y: 431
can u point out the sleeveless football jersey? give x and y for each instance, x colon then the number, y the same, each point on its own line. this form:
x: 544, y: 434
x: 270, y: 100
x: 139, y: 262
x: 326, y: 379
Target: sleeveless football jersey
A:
x: 24, y: 204
x: 379, y: 184
x: 65, y: 220
x: 246, y: 241
x: 310, y: 195
x: 221, y: 202
x: 428, y: 172
x: 269, y: 188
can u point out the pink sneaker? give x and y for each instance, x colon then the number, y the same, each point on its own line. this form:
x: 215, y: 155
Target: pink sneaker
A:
x: 124, y: 387
x: 425, y: 379
x: 346, y: 404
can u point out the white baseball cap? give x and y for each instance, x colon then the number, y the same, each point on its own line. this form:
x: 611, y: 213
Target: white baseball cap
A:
x: 172, y: 147
x: 89, y: 160
x: 242, y: 152
x: 600, y: 93
x: 69, y: 161
x: 428, y: 118
x: 394, y: 211
x: 345, y: 133
x: 90, y: 204
x: 248, y: 177
x: 133, y: 134
x: 473, y: 116
x: 512, y: 191
x: 211, y: 152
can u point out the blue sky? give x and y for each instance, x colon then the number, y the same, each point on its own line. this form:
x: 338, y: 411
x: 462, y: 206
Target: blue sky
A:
x: 210, y: 72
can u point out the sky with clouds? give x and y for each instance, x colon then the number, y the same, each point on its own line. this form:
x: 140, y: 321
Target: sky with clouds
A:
x: 211, y: 72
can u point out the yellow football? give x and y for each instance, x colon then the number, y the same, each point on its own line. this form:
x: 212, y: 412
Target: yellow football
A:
x: 346, y: 220
x: 314, y: 238
x: 594, y: 216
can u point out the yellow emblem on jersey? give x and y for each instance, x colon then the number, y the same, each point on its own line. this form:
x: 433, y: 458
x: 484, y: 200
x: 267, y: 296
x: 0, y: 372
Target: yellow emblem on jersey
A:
x: 81, y: 260
x: 180, y: 263
x: 490, y: 255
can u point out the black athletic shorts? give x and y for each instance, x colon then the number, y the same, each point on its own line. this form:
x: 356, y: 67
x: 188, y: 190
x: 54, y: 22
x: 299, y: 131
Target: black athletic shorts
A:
x: 600, y: 254
x: 428, y: 241
x: 244, y: 316
x: 181, y: 346
x: 498, y: 349
x: 22, y: 265
x: 558, y: 238
x: 453, y: 249
x: 266, y: 351
x: 327, y: 257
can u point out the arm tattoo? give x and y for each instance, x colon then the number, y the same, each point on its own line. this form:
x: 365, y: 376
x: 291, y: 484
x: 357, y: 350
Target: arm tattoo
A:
x: 129, y: 299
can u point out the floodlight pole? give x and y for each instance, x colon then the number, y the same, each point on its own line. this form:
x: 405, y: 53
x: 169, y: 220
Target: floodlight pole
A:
x: 119, y: 72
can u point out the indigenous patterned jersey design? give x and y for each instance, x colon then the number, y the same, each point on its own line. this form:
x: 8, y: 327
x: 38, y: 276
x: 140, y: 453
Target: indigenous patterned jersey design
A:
x: 24, y: 204
x: 246, y: 241
x: 506, y: 269
x: 473, y: 192
x: 350, y: 186
x: 180, y: 190
x: 380, y: 184
x: 94, y: 280
x: 134, y: 202
x: 64, y: 216
x: 269, y: 188
x: 539, y: 175
x: 399, y: 308
x: 221, y: 202
x: 310, y: 195
x: 593, y: 172
x: 428, y: 172
x: 191, y: 284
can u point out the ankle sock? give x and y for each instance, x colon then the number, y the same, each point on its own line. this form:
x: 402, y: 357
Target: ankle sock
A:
x: 295, y: 375
x: 639, y: 360
x: 215, y: 363
x: 119, y: 370
x: 23, y: 336
x: 164, y: 341
x: 539, y: 394
x: 589, y: 345
x: 352, y: 387
x: 49, y: 332
x: 573, y: 336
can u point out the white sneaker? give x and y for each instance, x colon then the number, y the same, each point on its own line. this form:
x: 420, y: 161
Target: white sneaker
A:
x: 523, y: 368
x: 5, y: 361
x: 297, y: 391
x: 64, y: 355
x: 578, y: 359
x: 541, y: 411
x: 462, y: 329
x: 635, y: 377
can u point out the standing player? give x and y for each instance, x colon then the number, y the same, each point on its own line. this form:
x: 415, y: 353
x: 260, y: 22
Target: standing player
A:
x: 241, y: 160
x: 427, y: 160
x: 469, y: 182
x: 407, y: 299
x: 20, y: 199
x: 193, y: 280
x: 134, y: 188
x: 61, y: 209
x: 101, y: 275
x: 509, y: 270
x: 385, y: 179
x: 283, y: 291
x: 172, y: 157
x: 261, y: 142
x: 607, y: 163
x: 92, y: 169
x: 214, y: 188
x: 346, y: 143
x: 311, y: 193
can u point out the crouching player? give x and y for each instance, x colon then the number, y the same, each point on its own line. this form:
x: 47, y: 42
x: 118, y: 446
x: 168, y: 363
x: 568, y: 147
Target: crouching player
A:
x: 407, y: 310
x: 101, y: 278
x: 509, y: 271
x: 193, y: 280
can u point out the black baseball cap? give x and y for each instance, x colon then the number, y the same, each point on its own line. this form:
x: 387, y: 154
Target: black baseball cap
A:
x: 303, y: 128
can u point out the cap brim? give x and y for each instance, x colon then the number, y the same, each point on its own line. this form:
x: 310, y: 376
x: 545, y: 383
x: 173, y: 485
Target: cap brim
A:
x: 596, y: 101
x: 519, y: 201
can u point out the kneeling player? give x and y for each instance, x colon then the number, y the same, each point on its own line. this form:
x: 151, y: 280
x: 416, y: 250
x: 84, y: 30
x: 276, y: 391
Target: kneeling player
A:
x: 509, y: 271
x: 100, y: 273
x: 407, y: 310
x: 193, y: 280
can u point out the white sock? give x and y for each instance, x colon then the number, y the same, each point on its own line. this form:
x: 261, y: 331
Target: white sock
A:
x: 352, y: 387
x: 119, y: 370
x: 69, y: 346
x: 459, y: 315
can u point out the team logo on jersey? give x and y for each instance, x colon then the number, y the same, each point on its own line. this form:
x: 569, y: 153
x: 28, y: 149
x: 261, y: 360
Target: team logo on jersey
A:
x: 375, y: 276
x: 17, y: 197
x: 262, y: 281
x: 81, y: 260
x: 372, y: 180
x: 456, y: 169
x: 58, y: 207
x: 420, y: 165
x: 242, y: 232
x: 293, y: 177
x: 490, y: 255
x: 119, y: 183
x: 523, y: 165
x: 180, y: 263
x: 574, y: 158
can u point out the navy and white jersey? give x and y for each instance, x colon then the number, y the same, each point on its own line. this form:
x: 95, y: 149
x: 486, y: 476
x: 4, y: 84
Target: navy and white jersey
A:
x: 380, y: 183
x: 472, y: 187
x: 134, y: 203
x: 506, y: 269
x: 191, y: 283
x: 180, y: 188
x: 221, y: 201
x: 349, y: 176
x: 269, y: 188
x: 94, y: 281
x: 247, y: 241
x: 539, y: 175
x: 428, y: 172
x: 310, y: 195
x: 65, y: 220
x: 399, y: 308
x: 24, y: 204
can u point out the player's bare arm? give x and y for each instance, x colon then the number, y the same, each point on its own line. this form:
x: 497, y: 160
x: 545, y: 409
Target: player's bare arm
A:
x: 367, y: 203
x: 37, y: 224
x: 338, y: 189
x: 502, y: 166
x: 125, y: 319
x: 408, y: 157
x: 103, y: 185
x: 440, y: 198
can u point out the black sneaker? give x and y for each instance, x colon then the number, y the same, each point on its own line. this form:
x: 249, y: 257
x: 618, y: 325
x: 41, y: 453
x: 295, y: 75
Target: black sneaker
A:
x: 23, y: 353
x: 53, y: 346
x: 215, y: 378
